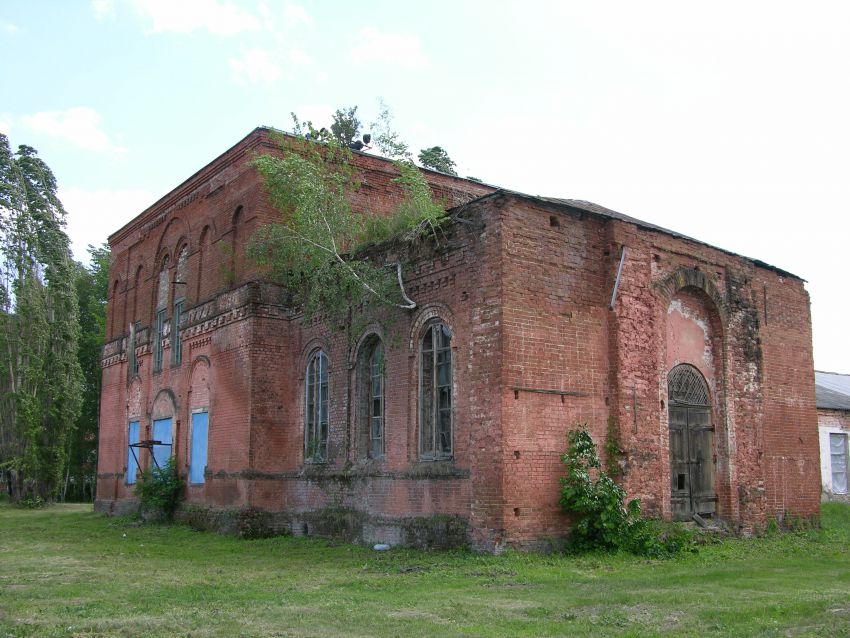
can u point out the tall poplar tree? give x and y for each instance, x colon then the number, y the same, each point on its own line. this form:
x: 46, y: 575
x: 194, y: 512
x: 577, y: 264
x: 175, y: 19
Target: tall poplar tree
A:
x: 40, y: 377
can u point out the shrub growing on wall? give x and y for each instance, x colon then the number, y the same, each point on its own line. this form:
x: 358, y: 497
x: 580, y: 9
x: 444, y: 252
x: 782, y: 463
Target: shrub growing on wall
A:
x: 597, y: 505
x: 160, y: 491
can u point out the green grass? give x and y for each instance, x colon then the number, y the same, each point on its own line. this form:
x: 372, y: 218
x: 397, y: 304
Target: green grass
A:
x: 65, y: 571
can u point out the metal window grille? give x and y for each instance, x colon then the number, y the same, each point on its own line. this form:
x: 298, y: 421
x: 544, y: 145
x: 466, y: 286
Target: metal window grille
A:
x: 686, y: 386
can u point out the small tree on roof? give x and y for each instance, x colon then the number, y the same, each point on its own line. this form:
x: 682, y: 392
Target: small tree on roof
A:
x: 437, y: 159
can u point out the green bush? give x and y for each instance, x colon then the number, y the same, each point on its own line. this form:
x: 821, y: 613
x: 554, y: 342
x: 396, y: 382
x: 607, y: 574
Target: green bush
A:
x: 160, y: 491
x: 32, y: 503
x: 597, y: 505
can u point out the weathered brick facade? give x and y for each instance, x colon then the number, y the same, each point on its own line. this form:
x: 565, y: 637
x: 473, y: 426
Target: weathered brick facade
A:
x: 523, y: 285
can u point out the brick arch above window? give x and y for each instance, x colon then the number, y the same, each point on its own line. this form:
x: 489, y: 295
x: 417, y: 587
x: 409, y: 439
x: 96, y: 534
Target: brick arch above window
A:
x: 314, y: 344
x: 428, y: 313
x: 200, y: 383
x: 373, y: 330
x: 164, y: 404
x: 681, y: 278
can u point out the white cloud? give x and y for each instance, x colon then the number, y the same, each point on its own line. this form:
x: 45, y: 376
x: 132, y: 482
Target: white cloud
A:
x: 298, y: 57
x: 296, y: 15
x: 395, y: 48
x: 94, y: 215
x: 256, y: 65
x: 79, y: 125
x: 8, y: 28
x: 266, y: 66
x: 185, y: 16
x: 103, y: 9
x: 5, y: 124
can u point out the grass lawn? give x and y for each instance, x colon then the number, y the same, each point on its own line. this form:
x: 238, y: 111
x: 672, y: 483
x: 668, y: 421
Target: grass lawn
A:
x: 66, y: 571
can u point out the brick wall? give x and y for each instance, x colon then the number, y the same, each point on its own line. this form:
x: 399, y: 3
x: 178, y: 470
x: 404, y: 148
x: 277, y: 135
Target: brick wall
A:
x: 524, y: 286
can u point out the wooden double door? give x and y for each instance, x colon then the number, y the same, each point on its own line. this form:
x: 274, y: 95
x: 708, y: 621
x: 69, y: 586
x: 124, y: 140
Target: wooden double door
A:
x: 691, y: 461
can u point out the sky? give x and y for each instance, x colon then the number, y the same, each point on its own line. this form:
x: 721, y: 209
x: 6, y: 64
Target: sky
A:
x: 725, y: 121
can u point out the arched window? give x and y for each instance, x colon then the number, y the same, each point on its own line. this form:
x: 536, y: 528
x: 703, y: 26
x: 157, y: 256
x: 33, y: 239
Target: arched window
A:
x: 181, y: 273
x: 316, y: 408
x: 180, y: 291
x: 435, y: 392
x: 161, y: 315
x: 162, y: 285
x: 370, y: 412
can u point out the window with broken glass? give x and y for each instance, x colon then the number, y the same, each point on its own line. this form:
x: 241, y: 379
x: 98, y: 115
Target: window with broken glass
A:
x: 316, y: 408
x: 435, y: 393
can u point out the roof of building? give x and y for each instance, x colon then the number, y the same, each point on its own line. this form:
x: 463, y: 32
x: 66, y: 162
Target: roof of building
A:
x: 607, y: 213
x: 574, y: 204
x: 832, y: 390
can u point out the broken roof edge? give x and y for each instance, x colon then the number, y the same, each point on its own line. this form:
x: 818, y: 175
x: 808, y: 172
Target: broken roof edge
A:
x: 606, y: 213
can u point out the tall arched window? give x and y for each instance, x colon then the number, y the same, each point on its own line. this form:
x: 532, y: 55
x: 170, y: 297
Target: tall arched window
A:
x: 316, y: 408
x: 435, y: 392
x: 161, y: 314
x: 181, y: 287
x: 370, y: 411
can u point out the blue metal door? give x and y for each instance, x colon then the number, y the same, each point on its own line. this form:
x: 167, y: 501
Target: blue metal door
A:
x: 200, y: 428
x: 161, y: 433
x: 132, y: 466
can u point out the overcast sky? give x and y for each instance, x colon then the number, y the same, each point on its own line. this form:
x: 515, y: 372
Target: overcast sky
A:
x: 726, y: 121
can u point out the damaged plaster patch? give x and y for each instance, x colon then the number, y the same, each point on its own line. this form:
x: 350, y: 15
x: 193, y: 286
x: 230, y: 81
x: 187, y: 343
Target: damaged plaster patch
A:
x: 676, y: 305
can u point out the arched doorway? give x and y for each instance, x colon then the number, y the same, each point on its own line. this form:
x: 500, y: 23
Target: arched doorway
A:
x: 691, y: 444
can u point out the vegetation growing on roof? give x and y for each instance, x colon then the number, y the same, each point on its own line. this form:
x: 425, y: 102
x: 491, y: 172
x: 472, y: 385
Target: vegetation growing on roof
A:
x: 437, y: 159
x: 317, y: 249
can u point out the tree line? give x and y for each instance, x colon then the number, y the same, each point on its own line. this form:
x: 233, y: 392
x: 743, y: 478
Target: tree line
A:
x: 52, y: 327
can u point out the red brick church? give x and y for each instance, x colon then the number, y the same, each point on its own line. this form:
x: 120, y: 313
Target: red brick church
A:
x: 445, y: 424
